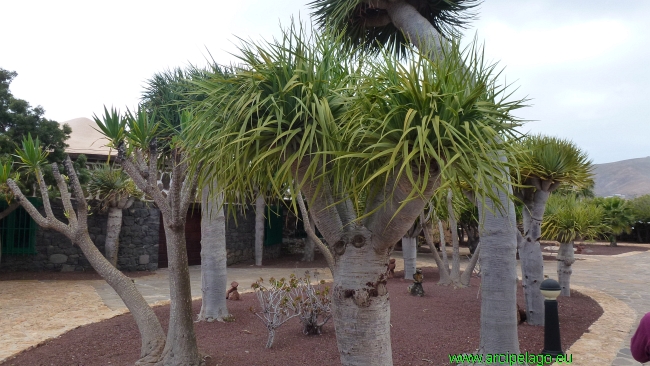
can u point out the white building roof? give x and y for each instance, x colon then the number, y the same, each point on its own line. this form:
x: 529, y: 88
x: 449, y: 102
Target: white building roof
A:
x: 84, y: 139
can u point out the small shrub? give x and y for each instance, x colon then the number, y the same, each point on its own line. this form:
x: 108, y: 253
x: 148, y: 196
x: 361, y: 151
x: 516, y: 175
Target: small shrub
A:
x: 283, y: 299
x: 278, y: 303
x: 314, y: 305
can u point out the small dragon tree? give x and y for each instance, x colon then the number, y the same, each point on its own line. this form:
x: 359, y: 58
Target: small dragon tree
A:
x: 141, y: 158
x: 545, y: 164
x: 568, y: 219
x: 32, y: 157
x: 116, y: 192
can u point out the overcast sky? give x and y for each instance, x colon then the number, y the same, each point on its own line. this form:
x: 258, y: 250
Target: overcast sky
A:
x: 584, y: 63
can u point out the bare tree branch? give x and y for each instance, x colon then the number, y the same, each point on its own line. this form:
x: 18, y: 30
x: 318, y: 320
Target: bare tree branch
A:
x: 139, y: 180
x: 174, y: 196
x: 44, y: 195
x: 389, y: 227
x: 49, y: 222
x: 65, y: 195
x: 312, y: 235
x: 82, y: 205
x: 140, y: 162
x: 322, y: 204
x: 188, y: 190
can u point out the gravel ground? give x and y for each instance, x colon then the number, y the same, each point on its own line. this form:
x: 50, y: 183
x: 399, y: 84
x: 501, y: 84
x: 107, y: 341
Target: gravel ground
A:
x: 424, y: 331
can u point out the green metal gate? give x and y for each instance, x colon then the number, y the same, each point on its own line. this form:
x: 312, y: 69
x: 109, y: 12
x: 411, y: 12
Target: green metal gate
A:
x: 18, y: 230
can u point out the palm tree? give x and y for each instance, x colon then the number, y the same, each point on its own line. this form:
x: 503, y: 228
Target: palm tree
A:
x: 364, y: 142
x: 32, y: 156
x: 618, y: 216
x: 428, y: 24
x: 545, y: 163
x: 568, y: 219
x: 116, y: 192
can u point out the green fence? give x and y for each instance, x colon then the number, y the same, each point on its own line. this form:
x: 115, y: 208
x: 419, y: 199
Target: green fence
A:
x: 273, y: 225
x: 18, y: 230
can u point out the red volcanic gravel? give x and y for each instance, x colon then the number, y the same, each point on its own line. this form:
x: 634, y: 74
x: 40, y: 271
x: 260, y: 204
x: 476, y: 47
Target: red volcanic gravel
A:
x: 424, y: 331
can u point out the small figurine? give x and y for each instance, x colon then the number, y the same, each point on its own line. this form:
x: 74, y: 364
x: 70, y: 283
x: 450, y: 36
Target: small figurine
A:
x: 390, y: 272
x: 232, y: 294
x: 416, y: 288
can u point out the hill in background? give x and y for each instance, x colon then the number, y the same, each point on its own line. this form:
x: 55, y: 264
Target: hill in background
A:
x: 626, y: 177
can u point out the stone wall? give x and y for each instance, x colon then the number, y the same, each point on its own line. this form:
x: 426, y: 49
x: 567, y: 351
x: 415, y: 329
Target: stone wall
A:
x: 138, y: 243
x: 240, y: 237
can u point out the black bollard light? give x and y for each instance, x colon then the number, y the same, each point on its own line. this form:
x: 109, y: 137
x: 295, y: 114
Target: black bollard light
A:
x: 551, y: 289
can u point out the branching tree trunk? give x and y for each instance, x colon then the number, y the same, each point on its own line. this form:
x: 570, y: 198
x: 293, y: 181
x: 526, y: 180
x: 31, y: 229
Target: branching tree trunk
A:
x: 360, y: 253
x: 260, y: 208
x: 530, y: 251
x: 151, y: 333
x: 498, y: 275
x: 565, y: 259
x: 180, y: 347
x: 442, y: 269
x: 214, y: 278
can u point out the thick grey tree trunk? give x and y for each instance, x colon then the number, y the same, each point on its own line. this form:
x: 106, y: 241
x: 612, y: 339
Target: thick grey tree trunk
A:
x: 443, y: 246
x: 361, y: 312
x: 114, y: 228
x: 532, y: 260
x: 180, y: 348
x: 498, y: 275
x: 260, y: 208
x: 442, y: 269
x: 360, y: 253
x: 410, y: 254
x: 565, y: 260
x: 214, y: 280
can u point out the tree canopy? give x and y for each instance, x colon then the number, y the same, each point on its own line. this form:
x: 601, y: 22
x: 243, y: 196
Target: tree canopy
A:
x: 18, y: 119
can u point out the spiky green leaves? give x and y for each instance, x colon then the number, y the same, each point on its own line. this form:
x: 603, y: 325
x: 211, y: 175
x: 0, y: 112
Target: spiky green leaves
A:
x: 110, y: 185
x: 568, y: 218
x: 553, y: 159
x: 366, y: 23
x: 278, y: 108
x: 618, y: 214
x: 32, y: 156
x: 358, y: 121
x: 424, y: 117
x: 112, y: 126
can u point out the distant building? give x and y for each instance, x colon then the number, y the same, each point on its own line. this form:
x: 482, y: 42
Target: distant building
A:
x: 85, y: 139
